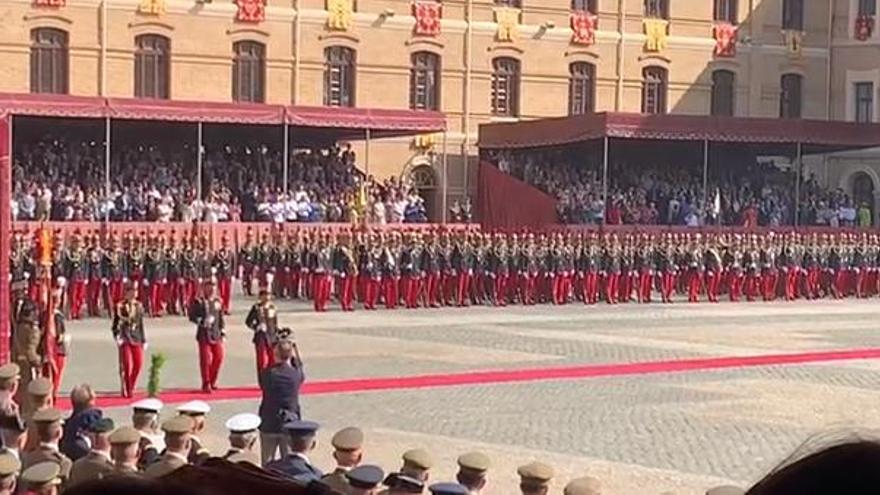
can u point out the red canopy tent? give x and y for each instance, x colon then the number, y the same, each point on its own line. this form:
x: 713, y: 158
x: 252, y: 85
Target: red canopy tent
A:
x: 767, y: 136
x: 337, y: 123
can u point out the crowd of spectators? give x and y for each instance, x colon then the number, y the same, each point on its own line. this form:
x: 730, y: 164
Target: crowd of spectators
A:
x: 759, y: 194
x: 61, y: 180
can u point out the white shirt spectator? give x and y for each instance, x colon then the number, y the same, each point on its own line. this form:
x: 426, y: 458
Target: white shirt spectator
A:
x: 164, y: 211
x: 379, y: 213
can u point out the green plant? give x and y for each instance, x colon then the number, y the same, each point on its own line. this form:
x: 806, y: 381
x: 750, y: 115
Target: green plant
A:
x: 157, y: 361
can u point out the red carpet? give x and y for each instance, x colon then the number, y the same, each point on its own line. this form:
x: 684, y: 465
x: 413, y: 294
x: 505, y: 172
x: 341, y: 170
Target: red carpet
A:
x: 514, y: 376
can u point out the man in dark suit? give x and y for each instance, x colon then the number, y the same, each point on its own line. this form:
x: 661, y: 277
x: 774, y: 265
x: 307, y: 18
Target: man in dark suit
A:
x: 96, y: 464
x: 280, y: 384
x: 74, y: 443
x: 296, y: 465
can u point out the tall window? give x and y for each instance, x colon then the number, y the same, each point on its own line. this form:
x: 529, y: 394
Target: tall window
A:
x: 793, y: 14
x: 723, y: 93
x: 339, y: 88
x: 49, y: 61
x: 424, y: 81
x: 505, y: 87
x: 867, y: 7
x: 249, y: 72
x: 654, y: 90
x: 725, y: 10
x: 509, y: 3
x: 584, y: 5
x: 657, y: 8
x: 791, y: 98
x: 864, y: 102
x: 152, y: 64
x: 581, y: 88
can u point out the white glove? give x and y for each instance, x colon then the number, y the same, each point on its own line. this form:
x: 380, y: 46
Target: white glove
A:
x: 209, y: 321
x: 119, y: 341
x: 261, y: 327
x: 145, y: 283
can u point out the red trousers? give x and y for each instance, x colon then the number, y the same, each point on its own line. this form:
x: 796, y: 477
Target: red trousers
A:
x: 210, y: 361
x: 464, y: 283
x: 432, y: 290
x: 646, y: 285
x: 346, y: 292
x: 190, y: 289
x: 224, y: 287
x: 791, y: 283
x: 625, y: 283
x: 612, y: 287
x: 371, y: 292
x: 93, y: 296
x: 77, y: 295
x: 173, y: 290
x: 735, y: 285
x: 131, y: 357
x: 280, y: 282
x: 293, y: 282
x: 115, y: 292
x: 591, y: 287
x: 713, y: 284
x: 771, y: 278
x: 265, y: 356
x: 321, y: 291
x: 390, y: 291
x: 695, y: 283
x: 667, y: 285
x: 55, y: 371
x: 861, y: 277
x: 409, y: 285
x: 157, y: 297
x: 247, y: 279
x: 812, y: 282
x: 752, y: 286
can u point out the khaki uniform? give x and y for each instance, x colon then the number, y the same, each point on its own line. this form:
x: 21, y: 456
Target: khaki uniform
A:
x: 337, y: 480
x: 26, y: 338
x: 93, y: 466
x: 43, y: 454
x: 125, y: 471
x: 166, y: 464
x: 238, y: 456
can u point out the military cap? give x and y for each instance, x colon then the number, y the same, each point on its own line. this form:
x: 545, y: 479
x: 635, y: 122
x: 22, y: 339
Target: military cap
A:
x: 243, y: 423
x: 194, y: 408
x: 9, y: 371
x: 725, y: 490
x: 301, y: 428
x: 348, y: 439
x: 535, y: 473
x: 365, y: 477
x: 9, y: 464
x: 474, y: 461
x: 150, y: 405
x: 418, y: 458
x: 583, y: 486
x: 448, y: 489
x: 404, y: 483
x: 178, y: 425
x: 40, y: 386
x: 47, y: 415
x: 103, y: 425
x: 124, y: 436
x: 42, y: 474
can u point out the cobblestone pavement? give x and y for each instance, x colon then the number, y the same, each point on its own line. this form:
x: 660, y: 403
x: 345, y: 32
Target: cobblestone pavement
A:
x: 640, y: 434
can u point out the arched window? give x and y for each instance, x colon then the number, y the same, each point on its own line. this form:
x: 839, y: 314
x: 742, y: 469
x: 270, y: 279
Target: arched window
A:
x: 584, y: 5
x: 723, y: 88
x: 654, y: 90
x: 509, y: 3
x: 152, y: 66
x: 424, y: 81
x: 339, y: 73
x: 725, y: 11
x: 657, y: 8
x: 791, y: 97
x: 49, y: 61
x: 249, y: 72
x: 505, y: 86
x: 581, y: 88
x: 793, y: 14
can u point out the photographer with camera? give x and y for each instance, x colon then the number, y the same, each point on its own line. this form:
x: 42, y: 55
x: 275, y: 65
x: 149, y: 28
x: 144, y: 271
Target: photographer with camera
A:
x: 280, y: 384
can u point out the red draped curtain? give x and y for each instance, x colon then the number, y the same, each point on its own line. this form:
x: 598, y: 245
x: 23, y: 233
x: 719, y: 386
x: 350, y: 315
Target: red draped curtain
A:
x: 507, y: 202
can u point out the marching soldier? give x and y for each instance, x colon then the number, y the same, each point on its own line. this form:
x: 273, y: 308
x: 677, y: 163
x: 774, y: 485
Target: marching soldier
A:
x: 207, y: 314
x: 174, y: 276
x: 136, y: 271
x: 114, y: 275
x: 321, y: 268
x: 391, y: 272
x: 222, y: 264
x: 26, y: 336
x: 408, y: 277
x: 189, y: 269
x: 712, y: 268
x: 431, y: 266
x: 128, y: 331
x: 263, y: 320
x: 57, y: 349
x: 155, y: 276
x: 75, y: 271
x: 345, y: 267
x: 95, y: 274
x: 372, y: 266
x: 247, y: 262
